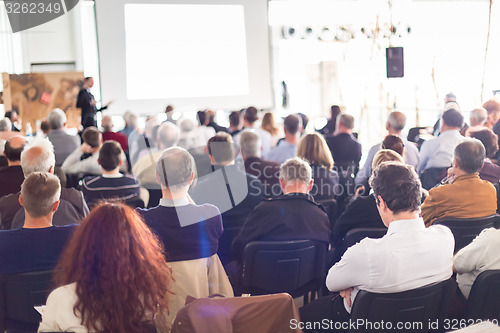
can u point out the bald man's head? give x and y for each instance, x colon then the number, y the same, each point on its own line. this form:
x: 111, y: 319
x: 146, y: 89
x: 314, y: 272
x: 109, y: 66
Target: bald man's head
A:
x: 107, y: 123
x: 38, y: 157
x: 396, y: 121
x: 13, y: 148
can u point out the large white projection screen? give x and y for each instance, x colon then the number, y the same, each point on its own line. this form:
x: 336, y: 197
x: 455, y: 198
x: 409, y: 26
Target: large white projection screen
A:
x: 192, y: 55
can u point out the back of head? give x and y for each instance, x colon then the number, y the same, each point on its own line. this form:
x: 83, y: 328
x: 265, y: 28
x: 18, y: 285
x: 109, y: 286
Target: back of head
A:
x: 478, y: 116
x: 305, y: 120
x: 346, y: 121
x: 107, y: 123
x: 292, y: 124
x: 313, y: 149
x: 250, y: 144
x: 492, y: 106
x: 221, y: 148
x: 102, y: 258
x: 110, y: 155
x: 13, y: 148
x: 296, y: 170
x: 395, y: 143
x: 235, y: 119
x: 470, y: 155
x: 488, y: 139
x: 38, y: 157
x: 397, y: 121
x: 5, y: 125
x: 399, y: 186
x: 39, y: 192
x: 45, y: 126
x: 202, y: 117
x: 269, y: 123
x: 453, y: 118
x: 251, y: 115
x: 92, y: 137
x: 335, y: 110
x: 168, y: 135
x: 57, y: 119
x: 386, y: 155
x: 175, y: 168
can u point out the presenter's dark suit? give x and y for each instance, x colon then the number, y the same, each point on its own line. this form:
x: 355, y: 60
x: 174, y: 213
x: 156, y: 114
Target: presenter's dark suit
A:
x: 89, y: 111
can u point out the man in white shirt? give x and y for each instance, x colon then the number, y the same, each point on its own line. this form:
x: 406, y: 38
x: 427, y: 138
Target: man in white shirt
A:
x: 395, y: 124
x: 438, y: 152
x: 480, y: 255
x: 409, y: 256
x: 249, y: 123
x: 287, y: 148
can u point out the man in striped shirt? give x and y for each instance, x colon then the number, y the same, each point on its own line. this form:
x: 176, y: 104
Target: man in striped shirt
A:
x: 111, y: 184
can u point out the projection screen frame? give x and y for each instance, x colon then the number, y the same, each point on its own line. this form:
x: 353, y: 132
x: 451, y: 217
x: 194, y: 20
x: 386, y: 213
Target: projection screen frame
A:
x: 112, y: 60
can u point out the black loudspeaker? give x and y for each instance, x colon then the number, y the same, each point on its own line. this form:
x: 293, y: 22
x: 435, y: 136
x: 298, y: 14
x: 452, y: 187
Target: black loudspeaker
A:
x: 395, y: 63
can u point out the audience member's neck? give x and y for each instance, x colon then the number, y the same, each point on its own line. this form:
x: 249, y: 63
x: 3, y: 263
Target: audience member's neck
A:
x: 234, y: 129
x: 246, y: 157
x: 222, y: 164
x: 247, y: 124
x: 116, y: 171
x: 177, y: 194
x: 37, y: 222
x: 403, y: 216
x: 292, y: 138
x: 446, y: 128
x: 13, y: 163
x: 296, y: 187
x: 393, y: 132
x: 343, y: 130
x: 458, y: 172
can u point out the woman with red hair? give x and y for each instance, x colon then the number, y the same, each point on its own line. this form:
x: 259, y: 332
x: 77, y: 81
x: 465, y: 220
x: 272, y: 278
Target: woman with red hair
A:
x: 112, y: 277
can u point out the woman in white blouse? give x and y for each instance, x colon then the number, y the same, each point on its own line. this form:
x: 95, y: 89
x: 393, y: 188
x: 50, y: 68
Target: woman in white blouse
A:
x: 112, y: 277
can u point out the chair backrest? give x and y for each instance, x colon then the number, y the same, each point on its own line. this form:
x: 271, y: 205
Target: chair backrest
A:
x: 484, y: 297
x: 330, y: 206
x: 65, y: 214
x: 432, y: 176
x: 283, y: 266
x: 417, y: 307
x: 497, y: 187
x: 225, y: 242
x: 465, y: 230
x: 357, y: 235
x: 19, y: 293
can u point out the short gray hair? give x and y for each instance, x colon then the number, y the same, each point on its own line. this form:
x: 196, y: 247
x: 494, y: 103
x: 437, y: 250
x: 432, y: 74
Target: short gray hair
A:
x: 39, y: 192
x: 175, y: 167
x: 57, y: 119
x: 470, y: 155
x: 479, y: 115
x: 296, y: 169
x: 346, y: 120
x: 168, y: 135
x: 5, y: 125
x: 397, y: 120
x: 250, y: 144
x: 38, y: 157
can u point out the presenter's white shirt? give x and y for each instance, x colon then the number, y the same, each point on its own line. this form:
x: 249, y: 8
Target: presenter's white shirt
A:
x: 409, y: 256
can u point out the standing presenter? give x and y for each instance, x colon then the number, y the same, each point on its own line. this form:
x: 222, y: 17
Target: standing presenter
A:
x: 86, y: 102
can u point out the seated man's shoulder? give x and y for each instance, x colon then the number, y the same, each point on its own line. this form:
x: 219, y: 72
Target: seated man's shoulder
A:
x: 7, y: 200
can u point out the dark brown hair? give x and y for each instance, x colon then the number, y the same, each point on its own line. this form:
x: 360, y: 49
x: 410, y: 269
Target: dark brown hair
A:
x: 221, y: 147
x: 119, y: 269
x: 394, y: 143
x: 92, y: 137
x: 110, y: 155
x: 489, y: 140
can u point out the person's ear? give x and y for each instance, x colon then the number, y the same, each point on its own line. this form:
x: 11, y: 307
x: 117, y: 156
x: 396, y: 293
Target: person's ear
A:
x: 55, y: 206
x: 282, y: 184
x: 455, y: 164
x: 21, y: 200
x: 98, y: 161
x: 120, y: 163
x: 158, y: 179
x: 191, y: 179
x: 310, y: 185
x: 387, y: 126
x: 51, y: 169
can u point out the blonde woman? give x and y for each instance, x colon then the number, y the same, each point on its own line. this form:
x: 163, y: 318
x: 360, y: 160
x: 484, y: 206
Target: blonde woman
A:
x: 313, y: 149
x: 269, y: 125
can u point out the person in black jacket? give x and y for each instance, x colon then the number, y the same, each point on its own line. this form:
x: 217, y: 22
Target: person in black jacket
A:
x: 292, y: 216
x: 87, y: 103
